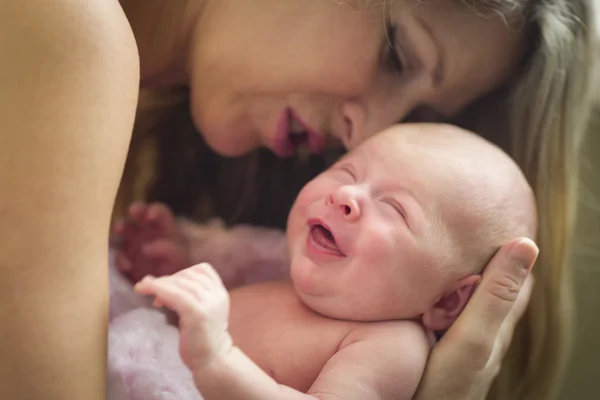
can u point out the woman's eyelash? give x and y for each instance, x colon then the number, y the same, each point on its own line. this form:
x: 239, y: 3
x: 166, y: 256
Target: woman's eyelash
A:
x: 393, y: 58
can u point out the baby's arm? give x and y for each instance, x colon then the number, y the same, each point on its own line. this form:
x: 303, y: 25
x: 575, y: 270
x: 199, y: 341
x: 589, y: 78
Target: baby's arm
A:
x: 380, y: 361
x: 384, y: 362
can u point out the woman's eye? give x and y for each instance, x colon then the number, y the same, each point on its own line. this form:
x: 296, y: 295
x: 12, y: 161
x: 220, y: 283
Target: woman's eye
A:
x: 393, y: 58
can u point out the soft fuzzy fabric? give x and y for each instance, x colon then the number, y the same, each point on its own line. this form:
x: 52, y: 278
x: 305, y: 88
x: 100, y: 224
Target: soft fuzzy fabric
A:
x: 143, y: 360
x: 143, y: 357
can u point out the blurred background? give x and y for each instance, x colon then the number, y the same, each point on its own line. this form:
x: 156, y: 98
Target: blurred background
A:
x: 583, y: 375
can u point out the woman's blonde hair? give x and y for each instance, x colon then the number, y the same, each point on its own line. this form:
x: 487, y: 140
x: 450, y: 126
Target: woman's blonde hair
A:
x: 548, y: 105
x: 545, y: 108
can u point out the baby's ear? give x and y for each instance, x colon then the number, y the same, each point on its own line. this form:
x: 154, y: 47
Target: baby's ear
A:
x: 441, y: 316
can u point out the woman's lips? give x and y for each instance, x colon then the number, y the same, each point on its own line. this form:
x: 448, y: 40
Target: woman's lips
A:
x: 284, y: 145
x: 316, y: 143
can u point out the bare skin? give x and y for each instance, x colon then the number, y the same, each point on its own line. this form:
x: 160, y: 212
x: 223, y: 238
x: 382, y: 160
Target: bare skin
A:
x: 354, y: 322
x: 283, y: 349
x: 293, y: 344
x: 67, y: 109
x: 296, y: 55
x: 69, y: 89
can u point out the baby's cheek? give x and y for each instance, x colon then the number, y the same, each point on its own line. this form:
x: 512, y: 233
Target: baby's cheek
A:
x: 378, y: 247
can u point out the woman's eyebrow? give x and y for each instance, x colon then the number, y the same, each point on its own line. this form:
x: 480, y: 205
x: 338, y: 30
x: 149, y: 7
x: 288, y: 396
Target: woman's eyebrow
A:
x: 438, y: 72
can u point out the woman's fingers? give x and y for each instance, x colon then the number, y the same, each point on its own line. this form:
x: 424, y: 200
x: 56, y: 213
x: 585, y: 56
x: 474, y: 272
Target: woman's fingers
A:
x: 465, y: 361
x: 498, y: 291
x: 514, y: 316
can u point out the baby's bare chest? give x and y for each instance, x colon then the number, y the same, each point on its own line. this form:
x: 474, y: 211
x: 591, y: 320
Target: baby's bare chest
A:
x: 282, y: 336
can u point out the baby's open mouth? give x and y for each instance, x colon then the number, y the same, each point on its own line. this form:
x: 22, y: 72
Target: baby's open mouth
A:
x: 323, y: 239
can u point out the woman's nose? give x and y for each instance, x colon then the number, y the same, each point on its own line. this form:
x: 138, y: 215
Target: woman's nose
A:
x: 348, y: 201
x: 380, y: 107
x: 353, y: 124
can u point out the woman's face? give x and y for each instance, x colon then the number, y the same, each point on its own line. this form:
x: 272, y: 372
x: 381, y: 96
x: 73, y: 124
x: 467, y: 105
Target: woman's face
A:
x: 283, y: 74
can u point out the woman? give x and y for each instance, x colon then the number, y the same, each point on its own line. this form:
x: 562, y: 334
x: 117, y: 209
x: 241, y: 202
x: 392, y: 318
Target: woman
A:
x: 256, y: 71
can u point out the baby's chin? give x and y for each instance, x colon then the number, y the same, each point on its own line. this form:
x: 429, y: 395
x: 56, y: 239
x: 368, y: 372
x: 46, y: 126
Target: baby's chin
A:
x: 340, y: 307
x: 327, y: 307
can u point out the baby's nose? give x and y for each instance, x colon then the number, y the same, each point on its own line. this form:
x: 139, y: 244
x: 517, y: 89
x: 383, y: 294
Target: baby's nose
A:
x: 347, y: 199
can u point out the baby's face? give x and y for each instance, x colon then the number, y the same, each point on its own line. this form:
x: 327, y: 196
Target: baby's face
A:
x: 365, y: 236
x: 382, y: 234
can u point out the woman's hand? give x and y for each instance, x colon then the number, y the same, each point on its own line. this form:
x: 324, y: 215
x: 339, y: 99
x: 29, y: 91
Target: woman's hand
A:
x: 466, y: 360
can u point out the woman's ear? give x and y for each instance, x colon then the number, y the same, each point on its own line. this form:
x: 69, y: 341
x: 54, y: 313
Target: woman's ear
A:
x: 443, y: 313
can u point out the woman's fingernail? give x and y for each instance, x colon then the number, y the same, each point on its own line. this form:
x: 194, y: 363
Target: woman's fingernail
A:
x: 524, y: 252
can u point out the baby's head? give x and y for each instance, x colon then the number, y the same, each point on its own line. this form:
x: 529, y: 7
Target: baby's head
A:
x: 401, y: 227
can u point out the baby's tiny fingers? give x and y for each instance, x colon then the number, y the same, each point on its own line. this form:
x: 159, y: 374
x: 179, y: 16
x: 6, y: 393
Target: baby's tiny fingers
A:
x: 146, y: 285
x: 201, y: 280
x: 209, y: 271
x: 168, y: 294
x: 193, y: 286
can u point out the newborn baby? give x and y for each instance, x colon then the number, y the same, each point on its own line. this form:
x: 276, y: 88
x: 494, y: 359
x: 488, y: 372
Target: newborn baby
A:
x: 385, y: 248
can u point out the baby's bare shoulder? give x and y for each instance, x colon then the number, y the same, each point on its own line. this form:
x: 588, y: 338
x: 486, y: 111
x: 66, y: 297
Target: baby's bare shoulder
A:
x: 396, y: 330
x: 383, y: 360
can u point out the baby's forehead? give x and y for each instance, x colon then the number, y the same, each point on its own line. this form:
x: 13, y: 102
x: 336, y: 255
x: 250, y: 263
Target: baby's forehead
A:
x: 401, y: 147
x: 441, y: 143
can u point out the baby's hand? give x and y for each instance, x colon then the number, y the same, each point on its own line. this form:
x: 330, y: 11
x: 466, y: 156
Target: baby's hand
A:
x: 198, y: 296
x: 149, y: 242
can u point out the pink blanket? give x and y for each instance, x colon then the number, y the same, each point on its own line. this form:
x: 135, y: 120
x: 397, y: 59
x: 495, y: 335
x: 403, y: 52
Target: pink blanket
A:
x: 143, y: 356
x: 143, y: 359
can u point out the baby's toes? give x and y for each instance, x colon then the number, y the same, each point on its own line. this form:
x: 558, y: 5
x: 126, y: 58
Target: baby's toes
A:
x: 137, y: 210
x: 162, y: 218
x: 119, y: 227
x: 166, y: 251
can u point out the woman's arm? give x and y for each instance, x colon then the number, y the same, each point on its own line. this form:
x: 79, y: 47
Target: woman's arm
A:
x: 68, y: 90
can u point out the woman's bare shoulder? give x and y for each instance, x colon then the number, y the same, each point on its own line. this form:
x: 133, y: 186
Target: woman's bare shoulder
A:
x: 69, y: 75
x: 63, y: 26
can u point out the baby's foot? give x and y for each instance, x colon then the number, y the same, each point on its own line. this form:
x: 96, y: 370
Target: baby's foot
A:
x: 148, y: 242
